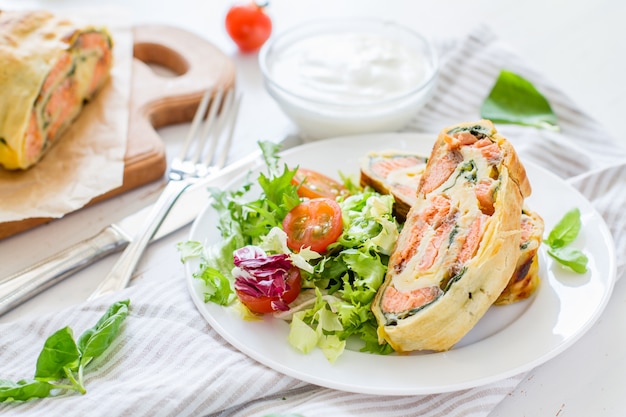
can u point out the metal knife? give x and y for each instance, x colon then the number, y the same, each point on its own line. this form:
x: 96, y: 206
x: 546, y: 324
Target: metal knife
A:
x: 29, y: 282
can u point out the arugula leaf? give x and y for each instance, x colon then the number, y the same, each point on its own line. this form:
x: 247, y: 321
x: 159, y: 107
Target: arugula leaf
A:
x: 563, y: 234
x: 515, y: 100
x: 59, y: 353
x: 270, y: 155
x: 24, y: 389
x: 566, y: 230
x: 229, y: 209
x: 252, y: 220
x: 279, y: 197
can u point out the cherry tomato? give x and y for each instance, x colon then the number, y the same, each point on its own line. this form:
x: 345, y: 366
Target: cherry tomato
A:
x: 313, y: 223
x: 263, y: 304
x: 248, y: 25
x: 313, y: 184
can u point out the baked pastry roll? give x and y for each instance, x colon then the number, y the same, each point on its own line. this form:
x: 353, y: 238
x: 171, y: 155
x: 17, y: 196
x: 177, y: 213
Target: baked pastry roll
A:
x: 399, y: 172
x: 395, y: 173
x: 525, y: 278
x: 460, y: 243
x: 50, y: 68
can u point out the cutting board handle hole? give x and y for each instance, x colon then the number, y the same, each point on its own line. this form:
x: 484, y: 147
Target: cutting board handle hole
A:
x: 163, y: 60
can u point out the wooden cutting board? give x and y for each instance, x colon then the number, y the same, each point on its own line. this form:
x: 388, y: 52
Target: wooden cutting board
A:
x: 157, y: 101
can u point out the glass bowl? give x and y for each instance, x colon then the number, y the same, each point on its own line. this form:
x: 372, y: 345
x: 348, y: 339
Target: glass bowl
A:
x: 349, y: 76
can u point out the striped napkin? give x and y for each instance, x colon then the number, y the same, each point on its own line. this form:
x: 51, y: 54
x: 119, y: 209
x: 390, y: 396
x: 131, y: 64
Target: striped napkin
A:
x: 169, y: 362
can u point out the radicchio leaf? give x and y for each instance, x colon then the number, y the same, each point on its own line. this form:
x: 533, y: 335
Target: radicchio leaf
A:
x: 248, y: 252
x: 260, y: 275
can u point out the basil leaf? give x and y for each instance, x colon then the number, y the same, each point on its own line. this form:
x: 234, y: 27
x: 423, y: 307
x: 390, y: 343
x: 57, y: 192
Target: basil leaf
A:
x: 63, y: 359
x: 515, y: 100
x: 23, y: 390
x: 570, y: 257
x: 563, y: 234
x: 94, y: 341
x: 566, y: 230
x: 59, y: 352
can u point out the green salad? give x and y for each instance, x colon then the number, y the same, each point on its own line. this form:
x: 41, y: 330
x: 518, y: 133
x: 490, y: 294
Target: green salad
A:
x: 307, y: 249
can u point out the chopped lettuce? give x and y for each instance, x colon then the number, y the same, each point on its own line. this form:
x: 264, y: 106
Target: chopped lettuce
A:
x: 354, y: 269
x: 345, y: 279
x: 317, y: 327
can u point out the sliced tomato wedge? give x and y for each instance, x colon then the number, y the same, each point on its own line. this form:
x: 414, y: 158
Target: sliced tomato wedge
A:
x: 313, y: 184
x: 314, y: 224
x: 264, y: 304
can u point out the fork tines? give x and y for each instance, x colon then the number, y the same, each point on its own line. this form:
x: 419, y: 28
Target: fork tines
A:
x: 213, y: 122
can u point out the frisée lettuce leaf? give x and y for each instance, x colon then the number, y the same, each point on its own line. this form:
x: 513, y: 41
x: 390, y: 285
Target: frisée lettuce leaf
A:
x: 352, y: 271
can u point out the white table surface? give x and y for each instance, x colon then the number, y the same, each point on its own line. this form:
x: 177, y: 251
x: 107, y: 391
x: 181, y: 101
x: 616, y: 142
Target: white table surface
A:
x: 579, y: 45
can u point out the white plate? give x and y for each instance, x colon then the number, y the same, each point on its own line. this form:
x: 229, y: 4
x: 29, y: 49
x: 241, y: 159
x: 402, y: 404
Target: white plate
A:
x: 507, y: 341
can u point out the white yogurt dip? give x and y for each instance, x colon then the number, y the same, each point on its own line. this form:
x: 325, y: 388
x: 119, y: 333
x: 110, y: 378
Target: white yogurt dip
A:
x: 337, y: 78
x: 349, y: 68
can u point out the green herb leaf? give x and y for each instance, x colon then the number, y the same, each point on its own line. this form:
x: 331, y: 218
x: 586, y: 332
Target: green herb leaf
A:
x: 93, y: 342
x: 570, y: 257
x: 218, y: 289
x: 348, y: 274
x: 515, y: 100
x: 23, y: 390
x: 62, y: 358
x: 189, y: 250
x: 368, y: 334
x: 270, y: 155
x: 562, y: 235
x: 59, y: 353
x: 566, y: 230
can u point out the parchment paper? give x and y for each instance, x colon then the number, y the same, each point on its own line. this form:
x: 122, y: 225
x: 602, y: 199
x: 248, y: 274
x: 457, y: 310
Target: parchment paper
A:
x: 89, y: 159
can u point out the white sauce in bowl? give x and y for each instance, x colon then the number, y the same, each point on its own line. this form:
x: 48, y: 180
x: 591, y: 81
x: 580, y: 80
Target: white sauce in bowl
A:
x: 349, y: 68
x: 336, y: 78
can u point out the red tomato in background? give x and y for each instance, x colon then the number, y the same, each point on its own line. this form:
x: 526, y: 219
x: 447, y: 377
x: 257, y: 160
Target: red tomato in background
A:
x: 263, y: 304
x: 248, y: 25
x: 313, y: 223
x: 313, y: 184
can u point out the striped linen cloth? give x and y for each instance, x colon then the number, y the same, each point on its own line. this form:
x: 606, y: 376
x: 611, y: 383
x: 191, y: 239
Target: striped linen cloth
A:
x: 169, y: 362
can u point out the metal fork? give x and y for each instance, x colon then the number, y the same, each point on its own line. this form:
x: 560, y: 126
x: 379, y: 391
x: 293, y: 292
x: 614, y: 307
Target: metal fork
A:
x: 193, y: 163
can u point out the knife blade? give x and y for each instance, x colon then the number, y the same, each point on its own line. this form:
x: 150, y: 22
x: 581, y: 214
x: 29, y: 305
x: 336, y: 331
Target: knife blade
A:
x: 23, y: 285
